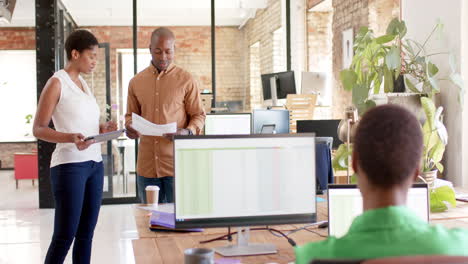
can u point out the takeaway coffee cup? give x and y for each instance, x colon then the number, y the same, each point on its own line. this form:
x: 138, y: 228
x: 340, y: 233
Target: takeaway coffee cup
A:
x: 152, y: 194
x: 199, y: 256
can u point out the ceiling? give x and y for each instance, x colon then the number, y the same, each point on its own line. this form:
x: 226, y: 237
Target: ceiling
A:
x: 149, y: 12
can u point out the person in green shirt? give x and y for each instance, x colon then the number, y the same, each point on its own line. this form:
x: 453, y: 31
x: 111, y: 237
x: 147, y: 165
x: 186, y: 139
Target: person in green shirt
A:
x: 387, y: 152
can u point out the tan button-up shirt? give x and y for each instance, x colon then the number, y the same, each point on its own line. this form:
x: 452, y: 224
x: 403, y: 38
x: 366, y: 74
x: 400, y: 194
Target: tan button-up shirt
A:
x: 162, y: 98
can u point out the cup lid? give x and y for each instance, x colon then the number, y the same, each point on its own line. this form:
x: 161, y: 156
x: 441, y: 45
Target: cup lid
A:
x: 152, y: 188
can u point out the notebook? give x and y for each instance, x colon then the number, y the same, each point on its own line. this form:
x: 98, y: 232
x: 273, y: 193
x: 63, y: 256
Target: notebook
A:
x: 167, y: 222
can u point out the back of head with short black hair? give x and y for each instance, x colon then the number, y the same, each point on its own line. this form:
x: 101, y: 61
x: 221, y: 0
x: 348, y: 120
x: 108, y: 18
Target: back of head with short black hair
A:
x: 79, y: 40
x: 388, y: 145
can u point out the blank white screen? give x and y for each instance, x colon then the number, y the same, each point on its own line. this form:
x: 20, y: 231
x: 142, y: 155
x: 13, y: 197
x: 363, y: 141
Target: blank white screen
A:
x: 346, y: 203
x: 228, y: 124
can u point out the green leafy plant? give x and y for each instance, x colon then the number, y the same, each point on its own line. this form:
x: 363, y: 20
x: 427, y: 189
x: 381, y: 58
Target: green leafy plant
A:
x: 392, y: 57
x: 376, y: 60
x: 417, y: 65
x: 28, y: 118
x: 435, y: 136
x: 441, y: 198
x: 340, y: 161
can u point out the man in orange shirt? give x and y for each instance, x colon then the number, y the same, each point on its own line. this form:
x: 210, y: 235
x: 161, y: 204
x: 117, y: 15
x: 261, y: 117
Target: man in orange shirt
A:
x: 162, y: 93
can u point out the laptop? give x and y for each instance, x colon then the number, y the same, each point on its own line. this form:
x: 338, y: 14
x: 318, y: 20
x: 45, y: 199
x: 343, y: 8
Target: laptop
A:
x: 345, y: 203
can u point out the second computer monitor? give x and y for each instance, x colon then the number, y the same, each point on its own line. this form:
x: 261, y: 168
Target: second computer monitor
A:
x: 321, y: 128
x: 244, y: 180
x: 284, y: 81
x: 270, y: 121
x: 228, y: 124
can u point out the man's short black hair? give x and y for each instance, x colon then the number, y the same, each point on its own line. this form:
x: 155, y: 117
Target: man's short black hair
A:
x: 162, y: 32
x: 79, y: 40
x: 388, y: 145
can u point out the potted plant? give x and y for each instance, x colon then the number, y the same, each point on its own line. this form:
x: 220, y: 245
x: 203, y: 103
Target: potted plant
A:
x: 435, y: 139
x: 387, y: 61
x: 393, y: 62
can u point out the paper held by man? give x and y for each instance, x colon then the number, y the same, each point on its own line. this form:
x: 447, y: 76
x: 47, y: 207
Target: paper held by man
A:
x: 148, y: 128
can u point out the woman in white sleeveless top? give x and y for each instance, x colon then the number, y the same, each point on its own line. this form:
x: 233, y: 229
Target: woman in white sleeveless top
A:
x: 76, y: 166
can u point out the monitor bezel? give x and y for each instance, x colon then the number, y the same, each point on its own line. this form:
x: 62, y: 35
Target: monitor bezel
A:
x: 354, y: 186
x: 266, y: 93
x: 244, y: 220
x: 304, y: 125
x: 230, y: 113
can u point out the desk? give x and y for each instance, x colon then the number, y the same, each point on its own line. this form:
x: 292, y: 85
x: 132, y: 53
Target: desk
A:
x: 168, y: 247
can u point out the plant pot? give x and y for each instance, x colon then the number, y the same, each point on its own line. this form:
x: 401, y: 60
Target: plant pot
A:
x: 410, y: 101
x: 429, y: 177
x: 399, y: 85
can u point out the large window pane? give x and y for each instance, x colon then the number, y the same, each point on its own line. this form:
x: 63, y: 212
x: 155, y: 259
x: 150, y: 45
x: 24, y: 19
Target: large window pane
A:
x: 250, y: 41
x: 17, y: 83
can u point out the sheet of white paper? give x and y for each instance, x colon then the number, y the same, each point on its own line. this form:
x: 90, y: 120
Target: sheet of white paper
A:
x: 147, y: 128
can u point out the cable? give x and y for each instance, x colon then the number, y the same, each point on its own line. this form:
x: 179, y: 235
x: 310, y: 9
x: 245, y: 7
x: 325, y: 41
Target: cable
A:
x: 290, y: 240
x: 273, y: 231
x: 302, y: 228
x: 315, y: 232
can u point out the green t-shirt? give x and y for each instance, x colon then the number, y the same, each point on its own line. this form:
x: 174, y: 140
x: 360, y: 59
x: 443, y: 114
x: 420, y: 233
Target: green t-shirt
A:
x: 386, y: 232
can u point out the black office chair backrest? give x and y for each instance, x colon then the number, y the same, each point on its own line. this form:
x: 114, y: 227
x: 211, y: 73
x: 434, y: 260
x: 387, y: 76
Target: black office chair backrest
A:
x: 431, y: 259
x: 326, y: 140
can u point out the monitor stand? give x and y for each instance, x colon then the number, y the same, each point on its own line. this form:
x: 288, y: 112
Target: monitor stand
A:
x: 244, y: 248
x: 273, y: 91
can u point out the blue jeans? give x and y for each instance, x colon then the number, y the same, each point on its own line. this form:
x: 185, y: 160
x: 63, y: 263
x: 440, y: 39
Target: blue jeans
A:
x: 77, y: 189
x: 165, y: 184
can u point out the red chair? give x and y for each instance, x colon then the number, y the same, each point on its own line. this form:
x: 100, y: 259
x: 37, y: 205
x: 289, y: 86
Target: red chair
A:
x: 26, y: 167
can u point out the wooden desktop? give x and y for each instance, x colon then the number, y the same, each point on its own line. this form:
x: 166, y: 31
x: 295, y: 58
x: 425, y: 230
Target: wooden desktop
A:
x: 168, y: 247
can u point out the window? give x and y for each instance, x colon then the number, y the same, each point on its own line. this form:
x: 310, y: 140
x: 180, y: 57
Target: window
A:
x: 279, y: 51
x: 18, y: 88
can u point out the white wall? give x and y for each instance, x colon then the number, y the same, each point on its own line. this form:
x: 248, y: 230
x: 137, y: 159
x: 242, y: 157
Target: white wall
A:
x: 420, y: 17
x: 464, y: 71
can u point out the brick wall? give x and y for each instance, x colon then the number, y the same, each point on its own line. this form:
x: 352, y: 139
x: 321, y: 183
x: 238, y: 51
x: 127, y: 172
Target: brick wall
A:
x: 381, y: 12
x: 319, y: 40
x: 229, y: 76
x: 347, y: 14
x: 193, y: 53
x: 7, y: 151
x: 376, y: 14
x: 17, y: 39
x: 260, y: 29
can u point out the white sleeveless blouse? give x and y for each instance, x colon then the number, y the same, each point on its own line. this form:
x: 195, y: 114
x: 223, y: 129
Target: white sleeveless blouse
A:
x: 76, y: 112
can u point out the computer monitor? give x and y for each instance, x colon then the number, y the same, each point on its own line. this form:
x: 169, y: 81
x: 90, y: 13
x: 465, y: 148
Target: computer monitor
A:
x: 244, y: 180
x: 228, y: 124
x: 321, y: 128
x: 270, y: 121
x: 317, y: 83
x: 284, y: 82
x: 345, y: 203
